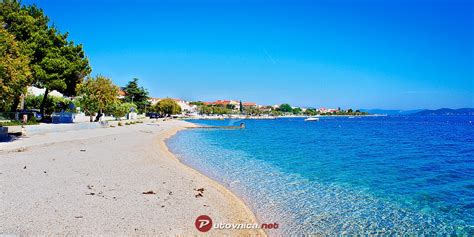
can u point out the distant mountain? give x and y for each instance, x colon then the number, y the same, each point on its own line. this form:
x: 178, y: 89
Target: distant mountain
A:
x: 445, y: 111
x: 390, y: 112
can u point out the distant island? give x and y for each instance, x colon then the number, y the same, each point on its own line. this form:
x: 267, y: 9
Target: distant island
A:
x: 446, y: 111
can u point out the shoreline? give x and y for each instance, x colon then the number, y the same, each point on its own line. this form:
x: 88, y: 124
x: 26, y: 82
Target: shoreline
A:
x: 231, y: 197
x: 224, y: 117
x: 93, y: 181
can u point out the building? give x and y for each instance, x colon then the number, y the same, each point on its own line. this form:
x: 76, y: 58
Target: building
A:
x: 153, y: 101
x: 38, y: 91
x: 249, y: 104
x: 121, y: 93
x: 185, y: 106
x: 233, y: 103
x: 223, y: 102
x: 324, y: 110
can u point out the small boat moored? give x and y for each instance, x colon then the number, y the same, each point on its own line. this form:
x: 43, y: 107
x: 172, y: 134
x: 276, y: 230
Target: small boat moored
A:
x: 311, y: 119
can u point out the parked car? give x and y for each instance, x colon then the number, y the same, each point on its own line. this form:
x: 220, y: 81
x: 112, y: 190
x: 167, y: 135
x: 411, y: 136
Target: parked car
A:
x: 30, y: 113
x: 154, y: 115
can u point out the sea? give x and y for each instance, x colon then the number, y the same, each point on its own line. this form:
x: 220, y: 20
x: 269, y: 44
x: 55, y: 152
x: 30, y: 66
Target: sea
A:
x: 371, y: 175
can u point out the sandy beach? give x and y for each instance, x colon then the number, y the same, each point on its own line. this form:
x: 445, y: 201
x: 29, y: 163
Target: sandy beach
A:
x: 92, y: 182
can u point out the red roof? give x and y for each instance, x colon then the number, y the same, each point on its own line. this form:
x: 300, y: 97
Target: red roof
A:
x: 121, y: 92
x: 249, y: 104
x: 218, y: 102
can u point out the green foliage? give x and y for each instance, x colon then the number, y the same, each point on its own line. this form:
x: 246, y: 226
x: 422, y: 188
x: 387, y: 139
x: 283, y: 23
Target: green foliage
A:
x: 197, y: 103
x: 285, y: 108
x: 97, y: 94
x: 311, y: 112
x: 15, y: 74
x: 205, y: 109
x: 119, y: 109
x: 297, y: 111
x: 214, y: 109
x: 230, y: 107
x: 17, y: 123
x: 276, y: 113
x: 253, y: 111
x: 56, y: 63
x: 52, y: 104
x: 167, y: 106
x: 136, y: 94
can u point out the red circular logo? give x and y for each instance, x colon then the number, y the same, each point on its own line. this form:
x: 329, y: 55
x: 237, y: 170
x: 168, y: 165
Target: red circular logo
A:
x: 203, y: 223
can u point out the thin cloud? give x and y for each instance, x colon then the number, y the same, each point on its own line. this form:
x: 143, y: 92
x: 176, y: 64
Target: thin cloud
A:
x: 269, y: 56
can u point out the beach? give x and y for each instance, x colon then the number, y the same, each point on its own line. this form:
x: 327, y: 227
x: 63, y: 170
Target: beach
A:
x: 109, y: 181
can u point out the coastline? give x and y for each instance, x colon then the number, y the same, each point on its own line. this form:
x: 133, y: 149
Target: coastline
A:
x: 243, y: 212
x: 91, y: 182
x: 242, y: 117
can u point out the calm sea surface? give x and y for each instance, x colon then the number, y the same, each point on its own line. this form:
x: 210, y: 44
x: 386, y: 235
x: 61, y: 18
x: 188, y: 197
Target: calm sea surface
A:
x: 407, y: 174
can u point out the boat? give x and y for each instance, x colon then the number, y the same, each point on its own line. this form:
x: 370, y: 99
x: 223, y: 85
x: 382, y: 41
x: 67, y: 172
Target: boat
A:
x: 311, y: 119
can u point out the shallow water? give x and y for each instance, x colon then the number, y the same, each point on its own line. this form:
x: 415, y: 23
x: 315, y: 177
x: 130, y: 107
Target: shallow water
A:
x: 403, y: 175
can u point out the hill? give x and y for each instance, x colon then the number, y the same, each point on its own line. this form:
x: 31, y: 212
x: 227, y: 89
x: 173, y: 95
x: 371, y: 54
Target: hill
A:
x: 446, y: 111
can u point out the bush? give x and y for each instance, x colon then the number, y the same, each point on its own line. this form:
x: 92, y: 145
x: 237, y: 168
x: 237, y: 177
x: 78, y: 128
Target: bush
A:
x: 52, y: 104
x: 167, y: 106
x: 119, y: 109
x: 17, y: 123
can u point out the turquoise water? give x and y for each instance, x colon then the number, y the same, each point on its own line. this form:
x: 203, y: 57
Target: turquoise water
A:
x: 366, y: 175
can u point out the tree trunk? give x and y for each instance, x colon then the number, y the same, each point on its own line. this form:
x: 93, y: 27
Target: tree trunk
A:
x: 14, y: 107
x: 43, y: 102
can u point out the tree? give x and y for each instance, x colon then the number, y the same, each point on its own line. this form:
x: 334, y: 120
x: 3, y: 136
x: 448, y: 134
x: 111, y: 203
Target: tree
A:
x: 220, y: 110
x: 120, y: 109
x: 286, y: 108
x: 53, y: 103
x: 56, y: 63
x: 241, y: 107
x: 136, y: 95
x: 97, y: 94
x: 311, y: 112
x: 167, y: 106
x: 15, y: 74
x: 205, y: 109
x: 297, y: 111
x: 197, y: 103
x: 251, y: 110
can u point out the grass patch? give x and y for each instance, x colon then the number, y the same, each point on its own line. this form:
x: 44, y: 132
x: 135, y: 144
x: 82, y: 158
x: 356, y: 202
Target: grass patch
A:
x: 17, y: 123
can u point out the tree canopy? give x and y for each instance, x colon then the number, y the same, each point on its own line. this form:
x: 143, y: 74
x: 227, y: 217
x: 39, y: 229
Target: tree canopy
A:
x: 120, y: 109
x: 137, y: 95
x: 286, y: 108
x: 167, y: 106
x: 55, y: 62
x: 96, y: 94
x: 15, y: 74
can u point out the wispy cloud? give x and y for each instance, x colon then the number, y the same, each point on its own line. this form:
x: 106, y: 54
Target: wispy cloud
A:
x: 269, y: 56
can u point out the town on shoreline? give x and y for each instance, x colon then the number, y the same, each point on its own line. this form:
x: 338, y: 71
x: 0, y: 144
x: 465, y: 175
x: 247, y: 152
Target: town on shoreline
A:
x: 48, y: 78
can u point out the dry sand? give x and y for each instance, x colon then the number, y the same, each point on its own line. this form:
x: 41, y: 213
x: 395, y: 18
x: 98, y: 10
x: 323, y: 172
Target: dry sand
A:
x: 91, y: 182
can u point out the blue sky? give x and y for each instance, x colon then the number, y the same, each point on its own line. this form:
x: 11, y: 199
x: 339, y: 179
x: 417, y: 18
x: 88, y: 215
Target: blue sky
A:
x: 360, y: 54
